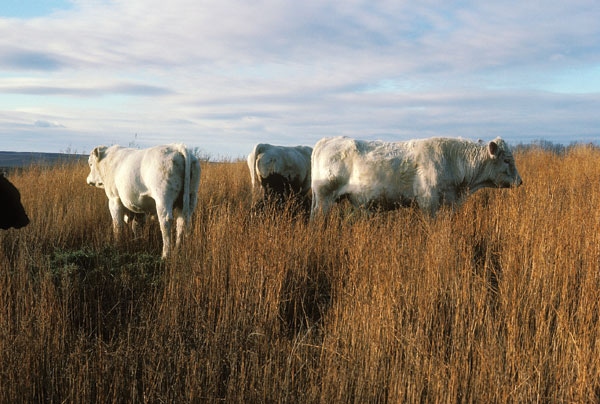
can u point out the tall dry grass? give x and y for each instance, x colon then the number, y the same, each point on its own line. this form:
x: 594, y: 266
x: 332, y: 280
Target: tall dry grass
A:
x: 496, y: 302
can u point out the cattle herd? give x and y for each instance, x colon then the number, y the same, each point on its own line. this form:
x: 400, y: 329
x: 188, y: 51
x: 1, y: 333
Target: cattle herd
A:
x: 163, y: 181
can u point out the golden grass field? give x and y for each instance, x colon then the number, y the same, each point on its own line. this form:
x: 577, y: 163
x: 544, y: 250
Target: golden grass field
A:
x: 495, y: 302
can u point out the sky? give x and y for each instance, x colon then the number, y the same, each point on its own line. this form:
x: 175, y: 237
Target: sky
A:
x: 223, y: 75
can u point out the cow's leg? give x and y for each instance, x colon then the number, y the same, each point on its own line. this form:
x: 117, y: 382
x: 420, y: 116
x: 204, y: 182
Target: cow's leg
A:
x: 450, y: 197
x: 429, y: 203
x: 165, y: 221
x: 138, y: 221
x: 321, y: 204
x: 117, y: 212
x: 314, y: 205
x: 181, y: 224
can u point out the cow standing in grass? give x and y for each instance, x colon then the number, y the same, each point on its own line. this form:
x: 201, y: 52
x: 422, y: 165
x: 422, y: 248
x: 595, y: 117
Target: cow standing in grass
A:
x: 427, y: 172
x: 280, y: 172
x: 12, y: 212
x: 161, y: 181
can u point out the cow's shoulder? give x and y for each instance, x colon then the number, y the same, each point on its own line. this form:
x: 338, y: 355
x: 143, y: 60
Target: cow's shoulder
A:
x: 378, y: 150
x: 115, y: 155
x: 445, y: 148
x: 330, y: 146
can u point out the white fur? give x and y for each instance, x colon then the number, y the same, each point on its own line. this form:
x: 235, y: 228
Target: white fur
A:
x: 148, y: 181
x: 291, y: 162
x: 428, y: 172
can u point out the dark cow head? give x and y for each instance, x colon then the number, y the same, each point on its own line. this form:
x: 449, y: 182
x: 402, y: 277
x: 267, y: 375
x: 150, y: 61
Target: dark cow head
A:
x: 12, y: 213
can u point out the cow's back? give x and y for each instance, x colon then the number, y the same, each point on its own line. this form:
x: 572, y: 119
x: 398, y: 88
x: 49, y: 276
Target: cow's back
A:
x: 364, y: 166
x: 281, y: 167
x: 163, y: 168
x: 282, y: 159
x: 140, y: 177
x: 368, y: 173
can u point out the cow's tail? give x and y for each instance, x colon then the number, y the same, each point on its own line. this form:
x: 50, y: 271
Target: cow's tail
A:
x: 260, y: 168
x: 186, y: 208
x: 252, y: 165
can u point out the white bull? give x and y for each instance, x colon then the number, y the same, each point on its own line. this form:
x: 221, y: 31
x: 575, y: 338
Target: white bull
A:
x: 428, y: 172
x: 280, y: 171
x: 161, y: 180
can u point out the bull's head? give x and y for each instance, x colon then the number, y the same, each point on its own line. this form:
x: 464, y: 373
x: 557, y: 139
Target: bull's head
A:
x: 505, y: 172
x: 94, y: 178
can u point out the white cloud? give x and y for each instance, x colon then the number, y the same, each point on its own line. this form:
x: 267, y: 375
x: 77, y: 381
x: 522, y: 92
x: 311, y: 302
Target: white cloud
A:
x: 224, y: 75
x: 40, y: 123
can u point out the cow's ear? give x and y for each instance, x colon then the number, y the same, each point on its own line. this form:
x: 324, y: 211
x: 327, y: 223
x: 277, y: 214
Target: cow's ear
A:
x: 98, y: 151
x: 493, y: 149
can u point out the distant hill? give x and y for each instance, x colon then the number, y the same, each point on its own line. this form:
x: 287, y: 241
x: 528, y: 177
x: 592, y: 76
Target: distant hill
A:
x: 10, y: 160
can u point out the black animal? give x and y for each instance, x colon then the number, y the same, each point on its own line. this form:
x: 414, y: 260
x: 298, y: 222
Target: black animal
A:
x: 12, y: 213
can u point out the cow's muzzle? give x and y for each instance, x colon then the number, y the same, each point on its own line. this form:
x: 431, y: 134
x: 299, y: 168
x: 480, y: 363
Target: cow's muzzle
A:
x: 518, y: 182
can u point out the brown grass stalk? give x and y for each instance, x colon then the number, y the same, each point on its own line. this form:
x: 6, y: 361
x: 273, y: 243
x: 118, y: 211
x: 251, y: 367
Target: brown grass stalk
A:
x: 497, y: 301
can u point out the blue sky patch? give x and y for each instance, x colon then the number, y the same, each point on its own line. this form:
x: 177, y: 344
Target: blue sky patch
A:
x: 32, y: 8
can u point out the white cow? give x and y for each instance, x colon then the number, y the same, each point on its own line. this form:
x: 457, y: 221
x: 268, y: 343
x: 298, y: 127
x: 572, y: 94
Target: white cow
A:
x: 161, y: 180
x: 280, y: 171
x: 428, y: 172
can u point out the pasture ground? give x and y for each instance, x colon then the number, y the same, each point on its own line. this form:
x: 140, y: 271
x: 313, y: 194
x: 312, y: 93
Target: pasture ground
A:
x: 496, y: 302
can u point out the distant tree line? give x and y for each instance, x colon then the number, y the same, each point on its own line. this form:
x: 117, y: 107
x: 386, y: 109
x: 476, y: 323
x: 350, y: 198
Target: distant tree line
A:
x: 557, y: 148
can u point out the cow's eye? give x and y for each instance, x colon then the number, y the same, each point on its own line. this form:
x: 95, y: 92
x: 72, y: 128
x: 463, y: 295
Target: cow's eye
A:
x: 507, y: 161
